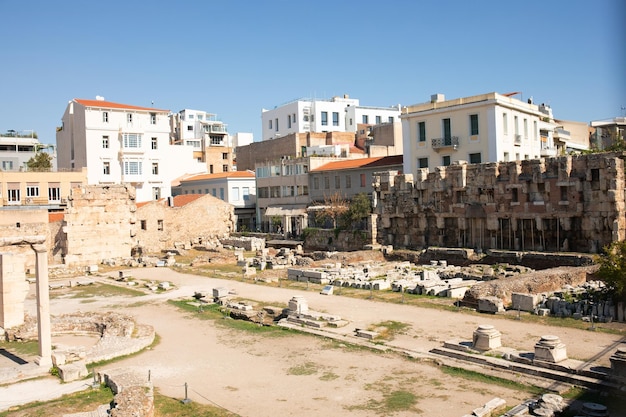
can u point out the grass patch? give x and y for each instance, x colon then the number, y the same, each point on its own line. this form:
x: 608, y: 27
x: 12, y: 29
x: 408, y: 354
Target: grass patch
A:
x: 308, y: 368
x: 392, y: 402
x: 97, y: 291
x: 171, y: 407
x: 490, y: 379
x: 388, y: 329
x: 87, y: 400
x: 220, y: 315
x: 328, y: 376
x: 26, y: 348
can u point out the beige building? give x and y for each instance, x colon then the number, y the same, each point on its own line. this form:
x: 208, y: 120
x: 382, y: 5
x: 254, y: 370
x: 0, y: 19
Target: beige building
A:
x: 182, y: 220
x: 45, y: 189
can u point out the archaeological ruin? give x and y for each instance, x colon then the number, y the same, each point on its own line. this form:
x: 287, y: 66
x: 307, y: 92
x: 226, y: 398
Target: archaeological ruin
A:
x: 569, y: 203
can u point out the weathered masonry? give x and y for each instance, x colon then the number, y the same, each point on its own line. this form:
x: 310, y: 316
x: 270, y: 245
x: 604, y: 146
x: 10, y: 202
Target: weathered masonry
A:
x: 569, y: 203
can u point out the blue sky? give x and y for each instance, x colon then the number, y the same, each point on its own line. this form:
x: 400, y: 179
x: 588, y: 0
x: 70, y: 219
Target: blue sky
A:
x: 234, y: 58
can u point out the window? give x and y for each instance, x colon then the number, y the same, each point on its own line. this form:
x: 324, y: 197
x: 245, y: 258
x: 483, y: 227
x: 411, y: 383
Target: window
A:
x: 156, y: 193
x: 224, y: 168
x: 189, y: 128
x: 288, y: 121
x: 54, y: 193
x: 132, y: 140
x: 216, y: 140
x: 324, y: 118
x: 7, y: 165
x: 274, y: 192
x: 350, y: 121
x: 316, y: 183
x: 595, y: 174
x: 535, y: 130
x: 270, y: 124
x: 473, y: 124
x: 505, y: 123
x: 326, y: 183
x: 14, y: 195
x: 362, y: 180
x: 390, y: 120
x: 234, y: 194
x: 348, y: 181
x: 378, y: 120
x: 506, y: 156
x: 155, y: 168
x: 421, y: 129
x: 447, y: 130
x: 105, y: 142
x: 516, y: 125
x: 276, y: 123
x: 246, y: 193
x: 160, y: 225
x: 525, y: 128
x: 224, y: 155
x: 293, y: 117
x: 32, y: 191
x: 106, y: 168
x: 514, y: 195
x: 335, y: 118
x: 105, y: 117
x: 129, y: 117
x: 152, y: 118
x: 210, y: 169
x: 475, y: 158
x: 214, y: 192
x: 366, y: 119
x: 190, y: 117
x: 422, y: 162
x: 221, y: 193
x: 263, y: 192
x: 445, y: 160
x: 144, y: 225
x: 154, y: 143
x: 337, y: 182
x: 132, y: 168
x: 563, y: 193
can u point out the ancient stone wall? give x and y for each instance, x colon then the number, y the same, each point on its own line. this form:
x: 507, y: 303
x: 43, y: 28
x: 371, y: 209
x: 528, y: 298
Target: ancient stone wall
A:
x: 569, y: 203
x: 99, y: 224
x: 160, y: 227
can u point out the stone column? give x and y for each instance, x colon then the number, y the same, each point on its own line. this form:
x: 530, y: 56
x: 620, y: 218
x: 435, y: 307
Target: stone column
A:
x: 13, y: 290
x: 43, y: 308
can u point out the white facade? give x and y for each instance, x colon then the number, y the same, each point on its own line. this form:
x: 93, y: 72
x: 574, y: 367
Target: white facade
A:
x: 16, y: 151
x: 119, y: 143
x: 485, y: 128
x: 237, y: 188
x: 199, y: 129
x: 339, y: 114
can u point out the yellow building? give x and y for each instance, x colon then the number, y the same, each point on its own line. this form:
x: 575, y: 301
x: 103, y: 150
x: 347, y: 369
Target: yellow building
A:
x: 47, y: 189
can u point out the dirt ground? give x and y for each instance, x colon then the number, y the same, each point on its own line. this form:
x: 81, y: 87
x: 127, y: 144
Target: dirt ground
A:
x: 302, y: 375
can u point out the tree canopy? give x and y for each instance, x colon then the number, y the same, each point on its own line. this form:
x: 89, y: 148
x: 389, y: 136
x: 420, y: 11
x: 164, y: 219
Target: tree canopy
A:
x: 40, y: 162
x: 613, y: 269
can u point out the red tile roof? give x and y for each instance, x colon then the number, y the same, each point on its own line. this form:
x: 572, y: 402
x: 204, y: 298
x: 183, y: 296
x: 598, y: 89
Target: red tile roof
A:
x: 184, y: 199
x: 55, y: 217
x: 231, y: 174
x: 101, y: 104
x: 381, y: 161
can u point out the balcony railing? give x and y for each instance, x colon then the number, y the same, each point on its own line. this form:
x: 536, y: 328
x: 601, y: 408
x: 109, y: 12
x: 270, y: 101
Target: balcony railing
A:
x: 517, y: 140
x: 451, y: 142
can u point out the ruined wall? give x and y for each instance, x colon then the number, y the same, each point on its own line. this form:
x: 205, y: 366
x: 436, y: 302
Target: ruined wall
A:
x: 98, y: 224
x: 160, y: 227
x: 22, y: 224
x: 570, y: 203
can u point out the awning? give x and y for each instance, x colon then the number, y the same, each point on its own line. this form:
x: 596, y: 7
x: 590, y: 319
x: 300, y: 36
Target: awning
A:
x: 285, y: 211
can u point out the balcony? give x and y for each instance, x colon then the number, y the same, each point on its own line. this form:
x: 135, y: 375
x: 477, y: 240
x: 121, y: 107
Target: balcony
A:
x: 443, y: 143
x: 517, y: 140
x: 548, y: 152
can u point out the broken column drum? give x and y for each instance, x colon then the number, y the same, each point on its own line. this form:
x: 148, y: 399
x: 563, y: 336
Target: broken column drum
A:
x: 486, y: 337
x: 550, y: 349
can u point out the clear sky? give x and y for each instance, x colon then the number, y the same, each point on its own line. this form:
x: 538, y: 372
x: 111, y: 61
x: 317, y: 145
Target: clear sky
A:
x: 234, y: 58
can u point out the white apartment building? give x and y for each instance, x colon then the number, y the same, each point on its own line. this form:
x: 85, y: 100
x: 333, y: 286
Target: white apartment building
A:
x: 484, y: 128
x: 121, y: 143
x: 16, y: 151
x: 199, y: 129
x: 339, y: 114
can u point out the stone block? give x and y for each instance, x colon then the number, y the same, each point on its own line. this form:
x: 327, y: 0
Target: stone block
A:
x: 486, y: 337
x: 524, y: 302
x: 490, y: 305
x: 618, y: 363
x: 72, y: 371
x: 58, y: 358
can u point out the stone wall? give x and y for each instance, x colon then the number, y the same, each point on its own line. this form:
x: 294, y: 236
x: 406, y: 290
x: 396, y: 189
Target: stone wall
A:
x: 160, y: 227
x: 569, y: 203
x: 98, y: 224
x: 329, y: 239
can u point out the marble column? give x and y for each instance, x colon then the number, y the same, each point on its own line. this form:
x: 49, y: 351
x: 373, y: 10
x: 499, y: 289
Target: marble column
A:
x: 43, y: 307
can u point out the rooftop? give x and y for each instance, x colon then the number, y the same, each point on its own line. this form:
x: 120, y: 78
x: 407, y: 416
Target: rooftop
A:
x: 219, y: 175
x: 102, y: 104
x: 381, y: 161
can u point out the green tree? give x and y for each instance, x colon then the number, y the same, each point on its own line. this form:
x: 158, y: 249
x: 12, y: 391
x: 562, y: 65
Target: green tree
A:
x: 359, y: 208
x: 613, y: 269
x: 40, y: 162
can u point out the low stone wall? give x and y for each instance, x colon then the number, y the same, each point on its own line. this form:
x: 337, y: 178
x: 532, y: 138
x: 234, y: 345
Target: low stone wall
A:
x: 330, y: 239
x: 247, y: 243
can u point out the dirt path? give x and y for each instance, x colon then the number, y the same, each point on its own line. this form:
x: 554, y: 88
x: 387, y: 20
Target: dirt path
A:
x: 259, y: 376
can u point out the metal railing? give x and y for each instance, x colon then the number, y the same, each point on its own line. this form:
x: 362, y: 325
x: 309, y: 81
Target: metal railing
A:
x: 450, y: 142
